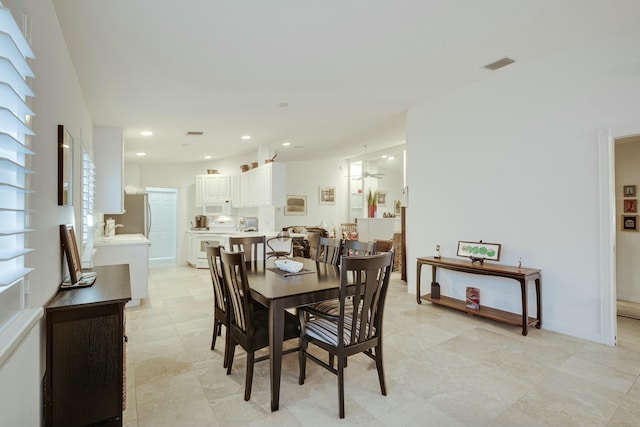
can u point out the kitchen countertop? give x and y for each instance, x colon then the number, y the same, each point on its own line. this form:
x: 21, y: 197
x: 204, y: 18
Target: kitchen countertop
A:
x: 121, y: 239
x: 242, y: 233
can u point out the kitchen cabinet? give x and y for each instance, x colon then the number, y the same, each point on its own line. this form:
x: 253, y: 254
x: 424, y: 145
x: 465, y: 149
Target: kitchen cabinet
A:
x: 196, y: 242
x: 263, y: 186
x: 370, y: 229
x: 85, y: 352
x: 108, y: 150
x: 212, y: 189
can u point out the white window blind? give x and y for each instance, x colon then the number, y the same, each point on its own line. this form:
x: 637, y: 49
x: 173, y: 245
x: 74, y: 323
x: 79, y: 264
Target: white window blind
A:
x: 88, y: 192
x: 15, y: 152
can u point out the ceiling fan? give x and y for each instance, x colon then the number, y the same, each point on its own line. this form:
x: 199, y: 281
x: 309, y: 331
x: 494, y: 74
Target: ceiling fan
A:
x: 365, y: 173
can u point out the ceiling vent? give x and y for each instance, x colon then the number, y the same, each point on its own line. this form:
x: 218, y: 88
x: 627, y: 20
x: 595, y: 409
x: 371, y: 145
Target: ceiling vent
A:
x: 499, y: 63
x: 195, y: 133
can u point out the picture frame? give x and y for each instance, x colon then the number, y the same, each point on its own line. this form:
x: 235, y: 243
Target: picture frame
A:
x: 479, y: 251
x: 630, y: 206
x: 629, y: 190
x: 296, y: 205
x: 629, y: 223
x: 382, y: 198
x: 65, y: 167
x: 77, y: 278
x: 327, y: 195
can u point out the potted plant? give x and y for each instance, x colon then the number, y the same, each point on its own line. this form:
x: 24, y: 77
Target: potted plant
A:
x: 372, y: 202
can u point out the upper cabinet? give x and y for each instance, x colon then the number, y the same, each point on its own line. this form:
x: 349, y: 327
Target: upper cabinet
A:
x: 262, y: 186
x: 212, y: 189
x: 108, y: 149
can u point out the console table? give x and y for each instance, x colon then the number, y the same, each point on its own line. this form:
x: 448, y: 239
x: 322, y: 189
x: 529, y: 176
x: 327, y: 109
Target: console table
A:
x: 521, y: 275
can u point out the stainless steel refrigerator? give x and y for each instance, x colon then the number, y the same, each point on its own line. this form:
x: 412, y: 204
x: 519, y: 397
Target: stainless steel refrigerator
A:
x: 136, y: 218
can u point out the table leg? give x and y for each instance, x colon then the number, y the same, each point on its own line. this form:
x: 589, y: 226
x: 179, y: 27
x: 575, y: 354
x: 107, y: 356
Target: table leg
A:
x: 276, y: 335
x: 538, y: 304
x: 525, y: 316
x: 418, y: 300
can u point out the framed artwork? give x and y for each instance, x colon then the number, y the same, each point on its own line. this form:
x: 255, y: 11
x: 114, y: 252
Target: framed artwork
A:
x: 382, y: 198
x: 479, y: 251
x: 629, y: 190
x: 296, y: 205
x: 629, y: 222
x: 630, y: 206
x: 327, y: 195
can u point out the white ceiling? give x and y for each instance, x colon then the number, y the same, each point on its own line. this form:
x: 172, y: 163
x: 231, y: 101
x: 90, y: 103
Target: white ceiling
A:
x: 348, y: 69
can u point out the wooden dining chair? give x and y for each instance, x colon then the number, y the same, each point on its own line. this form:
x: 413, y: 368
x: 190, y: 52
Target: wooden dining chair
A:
x: 280, y: 246
x: 358, y: 326
x: 328, y: 251
x: 248, y: 326
x: 357, y: 247
x: 253, y: 247
x: 220, y: 312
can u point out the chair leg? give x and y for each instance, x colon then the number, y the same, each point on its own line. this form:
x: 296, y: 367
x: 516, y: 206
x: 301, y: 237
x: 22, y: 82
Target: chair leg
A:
x: 227, y: 344
x: 249, y: 377
x: 216, y: 324
x: 232, y: 351
x: 341, y: 386
x: 383, y: 386
x: 302, y: 357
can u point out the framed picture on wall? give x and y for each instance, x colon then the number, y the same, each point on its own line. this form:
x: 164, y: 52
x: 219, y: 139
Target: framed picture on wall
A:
x: 629, y: 222
x: 630, y: 206
x: 382, y: 198
x: 296, y: 205
x: 327, y: 195
x: 629, y: 190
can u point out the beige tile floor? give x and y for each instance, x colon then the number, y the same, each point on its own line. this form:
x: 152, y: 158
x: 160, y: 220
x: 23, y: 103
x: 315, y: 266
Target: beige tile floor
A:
x: 443, y: 368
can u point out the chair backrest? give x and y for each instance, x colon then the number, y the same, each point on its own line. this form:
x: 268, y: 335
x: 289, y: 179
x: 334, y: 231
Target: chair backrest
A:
x: 356, y: 247
x: 254, y: 249
x: 219, y: 291
x: 328, y: 250
x: 280, y: 245
x: 234, y: 275
x: 370, y: 275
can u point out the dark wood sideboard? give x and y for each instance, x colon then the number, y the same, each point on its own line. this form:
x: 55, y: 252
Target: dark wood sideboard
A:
x: 85, y: 334
x: 521, y: 275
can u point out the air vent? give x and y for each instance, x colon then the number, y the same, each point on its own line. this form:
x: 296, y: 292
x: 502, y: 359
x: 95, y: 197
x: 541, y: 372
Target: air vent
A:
x: 195, y: 133
x: 499, y: 63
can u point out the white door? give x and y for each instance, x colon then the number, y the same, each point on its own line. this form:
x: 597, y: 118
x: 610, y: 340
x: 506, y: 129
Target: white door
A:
x: 163, y: 203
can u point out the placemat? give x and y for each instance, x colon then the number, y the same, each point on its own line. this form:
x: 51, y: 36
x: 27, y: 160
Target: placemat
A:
x: 288, y: 273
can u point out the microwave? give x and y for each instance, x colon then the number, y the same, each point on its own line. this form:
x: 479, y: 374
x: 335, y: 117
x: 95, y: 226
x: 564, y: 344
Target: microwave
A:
x: 223, y: 208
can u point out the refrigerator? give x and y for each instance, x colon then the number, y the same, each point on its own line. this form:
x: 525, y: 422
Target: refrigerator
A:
x: 136, y: 218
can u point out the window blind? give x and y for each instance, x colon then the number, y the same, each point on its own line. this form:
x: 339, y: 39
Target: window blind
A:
x: 88, y: 193
x: 15, y: 183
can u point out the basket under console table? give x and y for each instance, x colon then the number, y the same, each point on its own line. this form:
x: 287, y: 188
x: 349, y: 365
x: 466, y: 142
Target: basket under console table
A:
x: 521, y: 275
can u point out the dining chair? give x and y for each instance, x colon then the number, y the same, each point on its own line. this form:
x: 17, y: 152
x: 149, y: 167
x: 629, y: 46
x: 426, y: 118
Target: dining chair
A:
x: 253, y: 247
x: 358, y: 327
x: 220, y: 312
x: 349, y: 230
x: 357, y: 247
x: 328, y: 251
x: 248, y: 326
x: 280, y: 246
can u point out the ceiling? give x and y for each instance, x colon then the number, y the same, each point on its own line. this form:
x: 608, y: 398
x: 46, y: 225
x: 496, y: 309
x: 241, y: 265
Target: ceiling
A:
x: 327, y: 76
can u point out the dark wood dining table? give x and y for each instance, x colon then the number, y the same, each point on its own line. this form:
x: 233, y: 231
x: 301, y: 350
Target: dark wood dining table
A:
x: 279, y: 293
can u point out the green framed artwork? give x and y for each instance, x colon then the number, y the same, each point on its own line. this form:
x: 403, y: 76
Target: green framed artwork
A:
x: 479, y: 251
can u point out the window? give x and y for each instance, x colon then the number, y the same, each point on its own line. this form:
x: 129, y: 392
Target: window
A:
x: 15, y: 140
x: 88, y: 194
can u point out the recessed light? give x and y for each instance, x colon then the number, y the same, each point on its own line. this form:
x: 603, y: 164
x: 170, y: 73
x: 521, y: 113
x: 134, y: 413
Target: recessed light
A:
x: 141, y: 154
x: 207, y: 157
x: 384, y: 156
x: 246, y: 137
x: 390, y: 158
x: 146, y: 133
x: 286, y: 144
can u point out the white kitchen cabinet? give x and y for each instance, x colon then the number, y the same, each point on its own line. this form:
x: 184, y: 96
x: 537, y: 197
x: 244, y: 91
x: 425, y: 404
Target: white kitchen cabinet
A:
x: 370, y: 229
x: 108, y: 150
x: 212, y: 189
x: 263, y: 186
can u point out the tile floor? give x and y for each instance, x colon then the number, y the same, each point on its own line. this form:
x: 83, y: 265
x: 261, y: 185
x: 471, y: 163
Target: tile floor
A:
x: 443, y: 368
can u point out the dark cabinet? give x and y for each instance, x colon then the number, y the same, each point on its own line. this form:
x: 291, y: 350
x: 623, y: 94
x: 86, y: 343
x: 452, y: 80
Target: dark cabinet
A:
x: 85, y: 352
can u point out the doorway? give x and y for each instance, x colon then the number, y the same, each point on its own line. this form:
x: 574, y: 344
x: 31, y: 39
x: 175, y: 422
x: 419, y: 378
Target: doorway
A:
x: 163, y: 203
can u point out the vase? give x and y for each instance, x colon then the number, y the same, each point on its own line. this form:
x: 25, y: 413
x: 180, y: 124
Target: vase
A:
x: 372, y: 211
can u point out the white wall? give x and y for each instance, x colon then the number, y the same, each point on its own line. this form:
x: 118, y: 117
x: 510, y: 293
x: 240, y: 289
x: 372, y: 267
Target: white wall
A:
x: 627, y: 242
x: 59, y: 100
x: 514, y: 160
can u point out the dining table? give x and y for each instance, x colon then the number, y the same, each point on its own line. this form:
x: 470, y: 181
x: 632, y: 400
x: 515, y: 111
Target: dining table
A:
x: 278, y: 290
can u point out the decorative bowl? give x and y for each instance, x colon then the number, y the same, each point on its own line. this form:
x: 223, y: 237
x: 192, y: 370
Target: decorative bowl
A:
x: 289, y: 265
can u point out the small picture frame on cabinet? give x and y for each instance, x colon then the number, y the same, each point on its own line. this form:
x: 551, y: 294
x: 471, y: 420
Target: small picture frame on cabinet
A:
x: 629, y: 222
x: 629, y: 190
